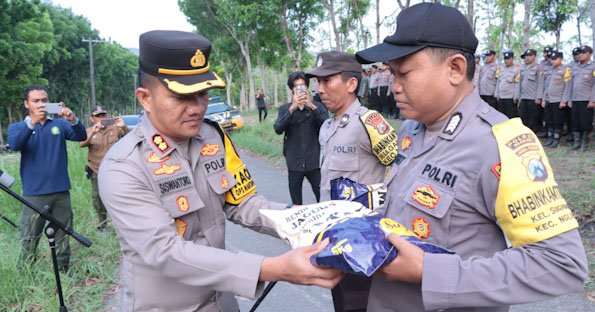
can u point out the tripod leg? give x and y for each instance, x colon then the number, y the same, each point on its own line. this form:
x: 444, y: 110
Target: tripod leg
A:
x: 50, y: 232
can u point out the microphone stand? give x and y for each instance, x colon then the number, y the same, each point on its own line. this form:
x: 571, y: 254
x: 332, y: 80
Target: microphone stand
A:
x: 50, y: 232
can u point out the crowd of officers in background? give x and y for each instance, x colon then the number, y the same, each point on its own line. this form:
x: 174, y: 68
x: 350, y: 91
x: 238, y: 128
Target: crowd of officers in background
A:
x: 552, y: 97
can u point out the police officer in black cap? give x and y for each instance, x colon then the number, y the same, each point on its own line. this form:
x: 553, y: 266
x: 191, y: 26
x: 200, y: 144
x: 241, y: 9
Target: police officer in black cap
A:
x: 528, y: 91
x: 508, y: 76
x: 170, y: 184
x: 581, y: 99
x: 488, y: 78
x: 554, y: 107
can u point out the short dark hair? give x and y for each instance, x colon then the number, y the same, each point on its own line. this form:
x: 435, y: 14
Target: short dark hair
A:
x: 441, y: 54
x: 295, y: 76
x: 358, y: 76
x: 145, y: 79
x: 31, y: 88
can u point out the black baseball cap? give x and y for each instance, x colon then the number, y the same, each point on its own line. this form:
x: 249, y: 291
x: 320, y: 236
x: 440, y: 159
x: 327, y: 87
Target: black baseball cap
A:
x: 508, y: 54
x: 556, y: 54
x: 489, y: 52
x: 585, y: 49
x: 529, y: 52
x: 334, y: 62
x: 180, y: 60
x: 576, y: 51
x: 548, y: 49
x: 420, y: 26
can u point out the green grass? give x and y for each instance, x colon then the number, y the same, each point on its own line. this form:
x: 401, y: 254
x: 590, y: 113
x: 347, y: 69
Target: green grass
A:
x: 260, y: 137
x: 93, y: 270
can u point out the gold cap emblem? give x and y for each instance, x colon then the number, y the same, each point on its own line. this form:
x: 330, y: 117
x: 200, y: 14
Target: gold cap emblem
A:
x: 198, y: 60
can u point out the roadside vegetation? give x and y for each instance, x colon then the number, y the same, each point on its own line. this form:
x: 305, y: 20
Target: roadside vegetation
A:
x: 93, y: 271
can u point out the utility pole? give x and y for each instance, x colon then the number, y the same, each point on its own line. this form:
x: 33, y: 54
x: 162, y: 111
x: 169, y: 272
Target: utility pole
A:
x: 92, y: 42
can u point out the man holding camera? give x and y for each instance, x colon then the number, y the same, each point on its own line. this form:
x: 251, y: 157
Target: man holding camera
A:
x: 44, y: 169
x: 104, y: 133
x: 300, y: 120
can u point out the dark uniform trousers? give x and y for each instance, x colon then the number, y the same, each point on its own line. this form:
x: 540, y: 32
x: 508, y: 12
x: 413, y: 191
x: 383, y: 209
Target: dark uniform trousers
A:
x: 383, y: 107
x: 295, y: 184
x: 554, y: 117
x: 508, y: 108
x: 352, y: 292
x: 375, y: 100
x: 581, y: 116
x: 530, y: 114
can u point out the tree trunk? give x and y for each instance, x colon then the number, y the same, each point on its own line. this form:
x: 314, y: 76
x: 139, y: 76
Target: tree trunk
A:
x: 245, y: 49
x: 592, y: 13
x: 578, y: 28
x: 527, y: 25
x: 276, y: 90
x: 470, y: 10
x: 286, y: 36
x: 243, y: 104
x: 330, y: 6
x: 263, y: 73
x: 377, y: 24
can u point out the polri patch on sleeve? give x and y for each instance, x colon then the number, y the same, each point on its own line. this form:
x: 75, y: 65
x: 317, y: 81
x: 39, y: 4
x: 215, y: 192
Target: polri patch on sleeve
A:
x: 181, y: 227
x: 496, y: 168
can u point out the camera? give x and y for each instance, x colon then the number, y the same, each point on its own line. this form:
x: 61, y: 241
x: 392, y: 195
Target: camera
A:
x: 108, y: 121
x: 53, y: 108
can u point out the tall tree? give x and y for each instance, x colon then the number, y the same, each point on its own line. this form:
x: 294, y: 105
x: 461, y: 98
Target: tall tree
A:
x: 527, y: 24
x: 551, y: 14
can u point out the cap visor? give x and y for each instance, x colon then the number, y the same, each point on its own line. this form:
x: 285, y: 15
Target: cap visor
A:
x: 321, y: 73
x: 192, y: 83
x: 385, y: 52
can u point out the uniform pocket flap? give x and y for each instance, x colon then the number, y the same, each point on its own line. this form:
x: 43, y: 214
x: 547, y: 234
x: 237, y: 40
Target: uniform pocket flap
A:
x: 221, y: 181
x: 182, y: 203
x: 343, y: 162
x: 429, y: 197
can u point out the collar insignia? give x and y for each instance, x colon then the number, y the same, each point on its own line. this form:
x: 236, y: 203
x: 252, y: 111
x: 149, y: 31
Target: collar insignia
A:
x: 160, y: 142
x: 453, y: 123
x: 406, y: 143
x: 344, y: 120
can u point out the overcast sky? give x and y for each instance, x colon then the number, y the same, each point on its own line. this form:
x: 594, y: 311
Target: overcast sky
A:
x: 125, y: 20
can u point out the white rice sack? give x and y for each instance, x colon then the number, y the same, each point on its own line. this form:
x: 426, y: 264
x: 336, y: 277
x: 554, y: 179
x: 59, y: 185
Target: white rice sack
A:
x: 300, y: 225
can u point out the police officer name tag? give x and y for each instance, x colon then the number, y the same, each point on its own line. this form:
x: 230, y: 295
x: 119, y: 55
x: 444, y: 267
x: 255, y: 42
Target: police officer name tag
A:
x: 529, y: 206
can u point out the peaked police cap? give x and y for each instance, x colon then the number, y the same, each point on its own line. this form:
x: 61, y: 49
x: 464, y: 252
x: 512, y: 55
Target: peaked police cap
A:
x: 180, y: 60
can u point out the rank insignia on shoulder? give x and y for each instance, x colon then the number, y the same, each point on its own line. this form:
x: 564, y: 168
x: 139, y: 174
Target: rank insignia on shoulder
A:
x: 160, y: 142
x: 453, y: 123
x: 426, y: 196
x: 153, y: 158
x: 224, y: 182
x: 406, y: 143
x: 166, y: 169
x: 180, y: 227
x: 209, y: 149
x: 421, y: 227
x: 182, y: 202
x: 497, y: 169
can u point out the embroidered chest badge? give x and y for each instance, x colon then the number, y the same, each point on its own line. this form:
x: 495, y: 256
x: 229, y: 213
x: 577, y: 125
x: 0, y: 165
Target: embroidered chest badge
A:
x: 166, y: 169
x: 181, y: 227
x: 224, y: 182
x: 406, y: 143
x: 160, y: 142
x: 421, y: 227
x: 426, y: 196
x: 210, y: 149
x: 55, y: 130
x: 453, y: 123
x: 182, y: 202
x: 153, y: 158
